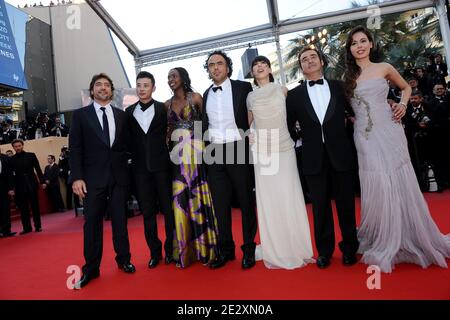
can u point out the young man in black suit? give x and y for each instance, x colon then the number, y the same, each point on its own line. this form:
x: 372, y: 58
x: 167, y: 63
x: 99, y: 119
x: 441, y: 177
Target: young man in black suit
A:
x: 6, y: 184
x: 225, y: 117
x: 328, y: 159
x: 151, y: 166
x: 99, y: 171
x: 25, y: 166
x: 51, y: 179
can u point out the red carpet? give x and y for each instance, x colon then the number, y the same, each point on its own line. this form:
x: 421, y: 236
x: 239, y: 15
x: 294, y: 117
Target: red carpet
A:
x: 34, y: 266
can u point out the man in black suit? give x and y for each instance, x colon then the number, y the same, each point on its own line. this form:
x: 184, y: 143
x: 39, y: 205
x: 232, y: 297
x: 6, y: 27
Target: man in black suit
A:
x: 439, y: 128
x: 25, y: 166
x: 328, y: 159
x: 151, y: 166
x: 6, y: 184
x: 99, y: 171
x: 51, y: 179
x: 225, y: 117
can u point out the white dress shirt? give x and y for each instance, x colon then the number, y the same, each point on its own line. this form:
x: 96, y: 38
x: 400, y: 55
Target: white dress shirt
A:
x: 144, y: 118
x: 219, y: 107
x: 320, y: 96
x: 111, y: 122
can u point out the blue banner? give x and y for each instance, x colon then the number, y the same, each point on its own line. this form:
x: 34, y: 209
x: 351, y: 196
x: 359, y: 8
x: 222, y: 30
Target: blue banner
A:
x: 11, y: 70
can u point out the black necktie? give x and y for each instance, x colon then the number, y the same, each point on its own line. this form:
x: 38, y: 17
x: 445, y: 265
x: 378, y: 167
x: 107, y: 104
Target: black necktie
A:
x: 105, y: 126
x: 312, y: 82
x: 145, y: 106
x: 217, y: 88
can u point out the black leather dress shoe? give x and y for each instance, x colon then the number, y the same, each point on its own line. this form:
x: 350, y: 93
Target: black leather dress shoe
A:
x: 323, y: 262
x: 85, y: 279
x: 38, y: 230
x: 248, y: 262
x: 127, y: 267
x: 169, y: 259
x: 349, y: 260
x: 220, y: 261
x: 153, y: 262
x: 9, y: 234
x: 25, y: 232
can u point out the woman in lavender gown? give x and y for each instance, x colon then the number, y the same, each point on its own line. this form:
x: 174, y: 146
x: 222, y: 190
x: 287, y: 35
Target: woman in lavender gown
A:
x: 396, y: 225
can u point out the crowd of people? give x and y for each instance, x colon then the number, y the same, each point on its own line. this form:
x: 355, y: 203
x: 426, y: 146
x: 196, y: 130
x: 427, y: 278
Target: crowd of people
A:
x: 191, y: 155
x: 50, y: 4
x: 21, y: 178
x: 41, y: 127
x: 427, y: 124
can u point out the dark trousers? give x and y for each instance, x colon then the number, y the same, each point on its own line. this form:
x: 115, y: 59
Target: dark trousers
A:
x: 150, y: 188
x: 97, y: 201
x: 320, y: 187
x: 25, y: 199
x: 5, y: 212
x: 54, y: 194
x: 223, y: 180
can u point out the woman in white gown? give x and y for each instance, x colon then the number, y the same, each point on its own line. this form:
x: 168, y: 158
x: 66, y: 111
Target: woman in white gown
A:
x: 282, y: 218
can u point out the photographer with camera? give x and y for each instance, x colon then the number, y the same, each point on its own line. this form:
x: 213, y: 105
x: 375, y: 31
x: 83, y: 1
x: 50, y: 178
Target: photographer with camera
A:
x: 59, y: 129
x: 416, y: 122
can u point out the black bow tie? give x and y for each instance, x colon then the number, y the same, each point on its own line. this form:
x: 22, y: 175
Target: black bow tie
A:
x: 217, y: 88
x: 145, y: 106
x: 312, y: 82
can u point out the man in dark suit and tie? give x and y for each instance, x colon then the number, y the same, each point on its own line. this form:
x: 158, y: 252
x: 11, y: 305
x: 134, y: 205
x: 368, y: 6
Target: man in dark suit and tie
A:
x: 151, y: 166
x: 225, y: 118
x: 328, y: 159
x: 99, y: 171
x: 51, y: 179
x: 6, y: 184
x: 25, y: 166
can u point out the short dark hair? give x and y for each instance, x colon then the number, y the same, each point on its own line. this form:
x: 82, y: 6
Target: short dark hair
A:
x: 100, y: 76
x: 416, y: 93
x: 227, y: 60
x: 265, y: 60
x: 17, y: 141
x: 52, y: 157
x: 304, y: 49
x: 145, y: 74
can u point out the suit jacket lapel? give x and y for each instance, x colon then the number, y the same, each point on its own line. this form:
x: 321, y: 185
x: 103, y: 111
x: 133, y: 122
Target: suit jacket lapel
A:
x: 119, y: 124
x: 308, y: 104
x: 236, y: 93
x: 332, y: 105
x: 156, y: 106
x: 94, y: 123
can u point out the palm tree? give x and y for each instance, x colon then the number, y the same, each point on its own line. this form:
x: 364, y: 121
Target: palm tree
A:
x: 334, y: 51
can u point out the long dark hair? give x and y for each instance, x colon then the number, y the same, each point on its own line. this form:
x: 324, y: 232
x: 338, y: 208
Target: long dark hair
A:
x: 265, y: 60
x: 186, y: 81
x: 352, y: 70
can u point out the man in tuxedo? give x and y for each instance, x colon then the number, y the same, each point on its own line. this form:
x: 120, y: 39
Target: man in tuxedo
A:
x: 439, y: 127
x: 25, y: 167
x: 99, y: 171
x: 6, y: 184
x: 51, y: 179
x: 151, y: 166
x: 224, y: 116
x: 328, y: 159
